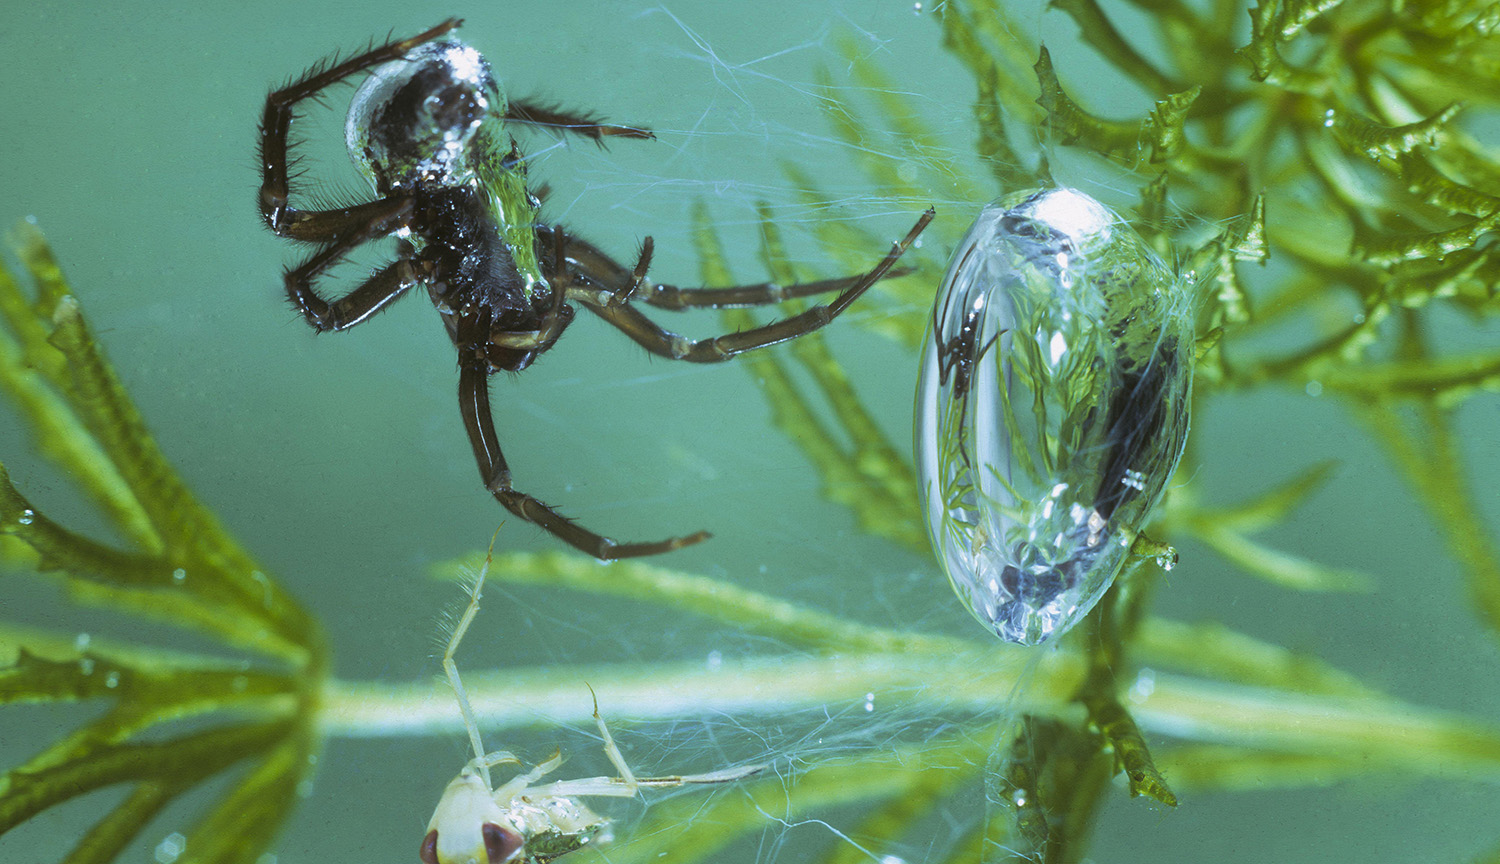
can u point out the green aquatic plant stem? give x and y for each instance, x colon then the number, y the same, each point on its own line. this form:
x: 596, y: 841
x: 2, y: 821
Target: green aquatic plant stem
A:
x: 1385, y: 734
x: 747, y: 610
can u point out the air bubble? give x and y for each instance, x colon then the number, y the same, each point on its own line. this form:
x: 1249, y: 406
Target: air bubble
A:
x: 27, y: 516
x: 1144, y: 686
x: 1052, y: 407
x: 112, y: 680
x: 179, y: 575
x: 170, y: 849
x: 81, y: 642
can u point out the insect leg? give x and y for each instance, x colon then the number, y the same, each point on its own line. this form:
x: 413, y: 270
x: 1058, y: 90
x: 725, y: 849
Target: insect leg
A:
x: 612, y: 750
x: 481, y: 760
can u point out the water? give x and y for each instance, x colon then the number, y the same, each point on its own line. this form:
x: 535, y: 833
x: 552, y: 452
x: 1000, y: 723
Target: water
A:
x: 341, y: 462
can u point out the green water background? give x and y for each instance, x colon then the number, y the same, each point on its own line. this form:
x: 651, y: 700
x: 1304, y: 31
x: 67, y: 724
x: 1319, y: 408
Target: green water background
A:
x: 128, y: 133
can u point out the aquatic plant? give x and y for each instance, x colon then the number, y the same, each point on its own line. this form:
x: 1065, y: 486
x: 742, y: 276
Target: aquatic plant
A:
x: 175, y: 719
x: 1240, y: 712
x: 1348, y: 166
x: 1244, y: 708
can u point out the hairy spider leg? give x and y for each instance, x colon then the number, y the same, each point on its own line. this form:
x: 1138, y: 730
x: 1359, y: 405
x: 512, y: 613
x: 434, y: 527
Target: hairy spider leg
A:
x: 338, y: 230
x: 654, y: 338
x: 374, y: 294
x: 321, y: 226
x: 614, y: 285
x: 474, y: 404
x: 578, y: 124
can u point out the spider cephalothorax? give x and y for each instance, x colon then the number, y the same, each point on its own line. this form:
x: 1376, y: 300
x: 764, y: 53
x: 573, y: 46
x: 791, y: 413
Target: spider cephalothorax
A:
x: 427, y: 128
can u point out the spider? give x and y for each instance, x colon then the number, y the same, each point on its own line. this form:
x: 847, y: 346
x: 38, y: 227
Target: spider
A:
x: 427, y: 129
x: 521, y: 823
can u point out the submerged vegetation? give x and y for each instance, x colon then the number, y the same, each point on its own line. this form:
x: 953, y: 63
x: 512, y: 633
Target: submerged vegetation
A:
x: 1324, y: 141
x: 175, y: 719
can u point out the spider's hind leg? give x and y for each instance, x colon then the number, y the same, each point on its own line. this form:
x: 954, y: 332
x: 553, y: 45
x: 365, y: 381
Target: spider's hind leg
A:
x: 474, y: 402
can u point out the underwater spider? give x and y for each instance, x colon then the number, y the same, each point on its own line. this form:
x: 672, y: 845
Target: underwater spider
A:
x: 426, y: 127
x: 519, y: 822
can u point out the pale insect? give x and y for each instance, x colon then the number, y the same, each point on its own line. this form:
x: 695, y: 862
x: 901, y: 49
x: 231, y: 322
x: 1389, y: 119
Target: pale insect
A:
x: 1052, y: 407
x: 522, y: 823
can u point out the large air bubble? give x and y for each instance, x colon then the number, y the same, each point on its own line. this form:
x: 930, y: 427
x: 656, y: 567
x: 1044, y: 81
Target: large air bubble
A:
x: 1052, y: 407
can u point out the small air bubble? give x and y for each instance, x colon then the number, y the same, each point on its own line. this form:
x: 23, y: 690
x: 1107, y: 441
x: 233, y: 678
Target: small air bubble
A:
x: 86, y: 665
x: 112, y: 680
x: 1019, y: 798
x: 1144, y: 686
x: 81, y: 642
x: 170, y: 849
x: 1314, y: 388
x: 1328, y: 117
x: 27, y: 516
x: 1359, y: 317
x: 916, y: 8
x: 179, y: 575
x: 869, y: 701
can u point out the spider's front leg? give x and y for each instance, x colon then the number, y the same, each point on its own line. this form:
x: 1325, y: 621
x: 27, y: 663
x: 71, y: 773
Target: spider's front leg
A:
x: 474, y: 403
x: 578, y: 124
x: 340, y: 230
x: 319, y: 226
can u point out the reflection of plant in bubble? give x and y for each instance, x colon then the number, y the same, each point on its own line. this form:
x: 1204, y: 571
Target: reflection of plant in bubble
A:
x: 1391, y: 177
